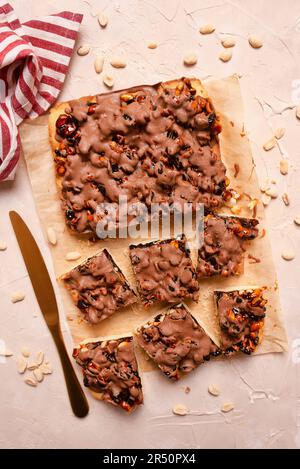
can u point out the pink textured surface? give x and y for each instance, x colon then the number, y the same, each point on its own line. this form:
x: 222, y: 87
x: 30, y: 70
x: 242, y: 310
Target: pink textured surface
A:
x: 265, y: 389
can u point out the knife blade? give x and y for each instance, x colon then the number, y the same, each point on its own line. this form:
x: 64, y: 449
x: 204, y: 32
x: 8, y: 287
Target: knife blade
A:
x: 45, y: 295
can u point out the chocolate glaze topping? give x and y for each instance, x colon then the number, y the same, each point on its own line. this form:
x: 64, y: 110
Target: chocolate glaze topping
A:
x: 164, y: 271
x: 224, y: 244
x: 110, y: 368
x: 241, y: 316
x: 149, y: 145
x: 98, y: 287
x: 176, y: 342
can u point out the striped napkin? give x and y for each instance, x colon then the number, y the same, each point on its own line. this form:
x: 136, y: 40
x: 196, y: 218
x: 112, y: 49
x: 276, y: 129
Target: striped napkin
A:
x: 34, y: 60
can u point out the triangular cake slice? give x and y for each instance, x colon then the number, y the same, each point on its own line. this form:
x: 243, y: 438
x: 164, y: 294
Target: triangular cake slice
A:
x: 98, y: 287
x: 176, y: 342
x: 110, y: 371
x: 241, y: 316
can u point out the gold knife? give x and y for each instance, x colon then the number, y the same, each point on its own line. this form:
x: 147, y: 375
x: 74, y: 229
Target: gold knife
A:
x: 44, y: 293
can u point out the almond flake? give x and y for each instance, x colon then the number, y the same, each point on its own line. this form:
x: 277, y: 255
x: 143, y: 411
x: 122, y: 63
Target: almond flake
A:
x: 3, y: 245
x: 226, y: 55
x: 180, y: 409
x: 6, y: 353
x: 228, y: 42
x: 51, y: 235
x: 207, y: 29
x: 285, y: 199
x: 284, y: 167
x: 102, y: 19
x: 265, y: 185
x: 17, y: 296
x: 255, y: 42
x: 152, y: 45
x: 279, y: 133
x: 32, y: 365
x: 118, y: 62
x: 297, y: 221
x: 25, y: 352
x: 83, y: 50
x: 298, y: 111
x: 213, y: 390
x: 266, y: 199
x: 272, y: 192
x: 21, y: 365
x: 190, y: 59
x: 46, y: 369
x: 39, y: 358
x: 269, y: 144
x: 39, y: 376
x: 31, y: 382
x: 227, y: 407
x: 288, y: 254
x: 98, y: 64
x: 73, y: 256
x: 108, y: 81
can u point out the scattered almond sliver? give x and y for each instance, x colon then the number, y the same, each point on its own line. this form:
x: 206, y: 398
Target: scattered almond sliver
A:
x: 190, y: 59
x: 152, y: 45
x: 227, y: 407
x: 17, y: 296
x: 6, y: 353
x: 207, y: 29
x: 51, y: 235
x: 226, y: 55
x: 297, y: 221
x: 3, y: 245
x: 31, y: 381
x: 288, y: 255
x: 25, y: 352
x: 213, y: 390
x: 270, y: 144
x: 284, y: 167
x: 285, y: 199
x: 21, y: 365
x: 39, y: 358
x: 108, y: 81
x: 279, y: 133
x: 118, y: 62
x: 83, y: 50
x: 228, y: 42
x: 38, y: 374
x: 180, y: 409
x: 73, y: 256
x: 102, y: 19
x: 255, y: 42
x: 98, y: 64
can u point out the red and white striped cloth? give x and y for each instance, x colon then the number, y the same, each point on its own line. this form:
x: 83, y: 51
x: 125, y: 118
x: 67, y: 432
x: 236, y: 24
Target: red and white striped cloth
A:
x: 34, y: 60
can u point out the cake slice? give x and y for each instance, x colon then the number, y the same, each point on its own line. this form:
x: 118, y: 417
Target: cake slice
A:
x: 110, y: 371
x: 98, y: 287
x: 224, y: 244
x: 241, y: 316
x: 164, y: 271
x: 176, y: 342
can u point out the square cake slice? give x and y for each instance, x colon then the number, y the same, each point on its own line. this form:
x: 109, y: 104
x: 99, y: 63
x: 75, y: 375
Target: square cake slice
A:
x: 164, y: 271
x: 176, y: 342
x: 241, y: 316
x: 224, y: 244
x: 98, y: 287
x: 110, y: 371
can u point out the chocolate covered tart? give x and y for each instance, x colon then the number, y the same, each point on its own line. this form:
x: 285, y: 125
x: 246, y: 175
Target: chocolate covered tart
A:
x: 176, y: 342
x: 98, y: 287
x: 110, y: 371
x: 164, y: 271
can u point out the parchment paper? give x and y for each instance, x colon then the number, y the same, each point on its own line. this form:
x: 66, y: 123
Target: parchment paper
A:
x: 235, y: 148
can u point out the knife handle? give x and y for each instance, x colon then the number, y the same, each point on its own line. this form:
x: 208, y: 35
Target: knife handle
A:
x: 77, y: 397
